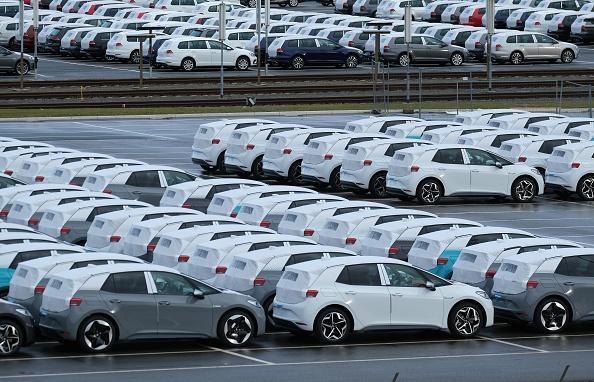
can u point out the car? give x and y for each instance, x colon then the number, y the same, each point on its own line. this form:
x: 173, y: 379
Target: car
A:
x: 570, y: 169
x: 7, y: 181
x: 378, y: 124
x: 76, y: 172
x: 360, y: 292
x: 11, y: 61
x: 492, y: 139
x: 107, y: 230
x: 450, y: 135
x: 94, y: 43
x: 582, y: 29
x: 517, y: 47
x: 571, y: 5
x: 67, y: 315
x: 12, y: 160
x: 517, y: 19
x: 437, y: 252
x: 355, y: 38
x: 560, y: 126
x: 458, y: 36
x: 16, y: 326
x: 236, y: 38
x: 478, y: 264
x: 53, y: 42
x: 560, y: 25
x: 432, y: 172
x: 394, y: 239
x: 414, y: 130
x: 309, y: 220
x: 210, y: 141
x: 544, y: 288
x: 473, y: 15
x: 198, y: 194
x: 423, y: 49
x: 146, y: 183
x: 283, y: 155
x: 364, y: 165
x: 305, y: 51
x: 439, y: 31
x: 246, y: 148
x: 433, y: 11
x: 35, y: 170
x: 451, y: 14
x: 539, y: 20
x: 9, y: 195
x: 483, y: 116
x: 365, y: 7
x: 124, y: 46
x: 71, y: 41
x: 533, y: 151
x: 9, y: 146
x: 228, y: 203
x: 522, y: 121
x: 585, y: 132
x: 394, y: 9
x: 31, y: 276
x: 502, y: 13
x: 70, y: 222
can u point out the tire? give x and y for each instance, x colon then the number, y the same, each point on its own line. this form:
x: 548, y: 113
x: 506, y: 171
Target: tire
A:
x: 96, y: 334
x: 552, y: 315
x: 252, y: 4
x: 516, y: 58
x: 11, y: 337
x: 12, y: 45
x: 351, y: 61
x: 17, y: 67
x: 268, y: 312
x: 465, y: 320
x: 332, y: 325
x: 295, y: 177
x: 585, y: 188
x: 567, y: 56
x: 403, y: 60
x: 135, y: 57
x: 258, y: 168
x: 236, y: 328
x: 187, y: 64
x: 430, y: 191
x: 297, y: 62
x: 524, y: 190
x: 243, y: 63
x: 221, y: 163
x: 335, y: 180
x: 293, y: 3
x: 377, y: 185
x: 456, y: 59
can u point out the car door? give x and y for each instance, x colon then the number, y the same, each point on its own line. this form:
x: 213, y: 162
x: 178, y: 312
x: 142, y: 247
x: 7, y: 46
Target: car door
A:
x: 417, y: 49
x: 5, y: 59
x: 575, y: 274
x: 180, y: 312
x: 450, y: 168
x: 329, y: 51
x: 215, y: 53
x: 145, y: 186
x: 126, y: 295
x: 436, y: 50
x: 411, y: 303
x: 528, y: 46
x: 485, y: 176
x: 547, y: 47
x: 361, y: 289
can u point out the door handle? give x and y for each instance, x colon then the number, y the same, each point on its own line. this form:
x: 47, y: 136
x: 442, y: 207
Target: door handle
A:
x: 115, y: 301
x: 474, y: 170
x: 569, y: 283
x: 350, y: 292
x: 397, y: 294
x: 136, y: 192
x: 441, y: 168
x: 163, y: 302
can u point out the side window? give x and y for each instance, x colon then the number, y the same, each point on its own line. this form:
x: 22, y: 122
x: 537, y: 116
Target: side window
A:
x: 233, y: 36
x: 28, y: 255
x: 390, y: 218
x: 103, y: 210
x: 548, y: 146
x: 265, y: 245
x: 395, y: 147
x: 172, y: 284
x: 403, y: 276
x: 518, y: 236
x: 480, y: 158
x: 314, y: 136
x: 221, y: 188
x: 484, y: 238
x: 299, y: 203
x: 223, y: 235
x: 144, y: 179
x: 126, y: 282
x: 307, y: 43
x: 577, y: 266
x: 174, y: 177
x: 434, y: 228
x: 303, y: 257
x: 432, y: 41
x: 362, y: 274
x: 292, y: 44
x: 198, y: 44
x: 84, y: 264
x: 511, y: 40
x: 417, y: 40
x: 357, y: 140
x: 449, y: 156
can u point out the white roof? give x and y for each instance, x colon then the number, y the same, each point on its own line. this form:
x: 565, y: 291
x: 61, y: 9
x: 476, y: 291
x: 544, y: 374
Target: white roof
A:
x: 232, y: 242
x: 70, y: 208
x: 450, y: 234
x: 273, y: 200
x: 358, y: 216
x: 112, y: 172
x: 38, y: 247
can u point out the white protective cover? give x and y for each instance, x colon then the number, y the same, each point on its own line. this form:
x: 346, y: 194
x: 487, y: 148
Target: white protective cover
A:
x: 44, y: 165
x: 12, y: 159
x: 176, y: 195
x: 515, y: 271
x: 403, y: 159
x: 63, y: 174
x: 8, y: 195
x: 245, y: 267
x: 296, y: 279
x: 99, y: 180
x: 585, y: 132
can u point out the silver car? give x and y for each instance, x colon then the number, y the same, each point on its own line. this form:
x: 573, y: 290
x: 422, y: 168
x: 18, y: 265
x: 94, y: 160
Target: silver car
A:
x: 11, y: 61
x: 517, y: 47
x: 423, y: 49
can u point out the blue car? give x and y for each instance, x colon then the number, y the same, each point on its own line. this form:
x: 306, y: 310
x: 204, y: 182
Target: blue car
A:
x: 297, y: 52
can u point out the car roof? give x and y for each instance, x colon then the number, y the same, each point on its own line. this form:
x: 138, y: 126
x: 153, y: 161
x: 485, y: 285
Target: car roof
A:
x: 271, y: 200
x: 146, y: 211
x: 80, y: 204
x: 35, y: 199
x: 233, y: 241
x: 118, y: 170
x: 525, y: 141
x: 411, y: 223
x: 91, y: 270
x: 319, y: 266
x: 386, y: 142
x: 458, y: 232
x: 22, y: 247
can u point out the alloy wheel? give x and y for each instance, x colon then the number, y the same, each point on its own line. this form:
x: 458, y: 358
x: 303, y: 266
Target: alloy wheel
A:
x: 297, y: 62
x: 457, y: 59
x: 334, y: 326
x: 98, y: 335
x: 524, y: 190
x: 351, y: 61
x: 553, y: 316
x: 10, y: 338
x: 403, y: 60
x: 586, y: 188
x: 467, y: 321
x: 430, y: 192
x: 237, y: 329
x: 567, y: 56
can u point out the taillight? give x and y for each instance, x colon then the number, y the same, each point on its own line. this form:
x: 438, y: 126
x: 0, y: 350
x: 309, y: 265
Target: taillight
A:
x: 490, y: 274
x: 287, y: 151
x: 39, y: 290
x: 265, y: 224
x: 522, y: 159
x: 91, y: 42
x: 345, y: 5
x: 8, y: 172
x: 279, y: 50
x: 233, y: 214
x: 64, y: 231
x: 433, y: 14
x: 362, y: 7
x: 256, y: 47
x: 221, y: 270
x: 453, y: 42
x: 73, y: 184
x: 498, y: 46
x: 186, y: 206
x: 4, y: 213
x: 163, y: 7
x: 216, y: 141
x: 392, y: 10
x: 311, y: 293
x: 518, y: 21
x: 308, y: 232
x: 478, y: 43
x: 575, y: 165
x: 386, y: 47
x: 560, y: 25
x: 351, y: 240
x: 183, y: 259
x: 414, y: 169
x: 151, y: 248
x: 393, y: 251
x: 367, y: 163
x: 250, y: 147
x: 259, y: 282
x: 39, y: 178
x: 55, y: 38
x: 114, y: 239
x: 107, y: 191
x: 537, y: 23
x: 75, y: 301
x: 328, y: 156
x: 119, y: 44
x: 442, y: 261
x: 531, y: 284
x: 73, y: 41
x: 33, y: 222
x: 169, y: 52
x: 351, y: 43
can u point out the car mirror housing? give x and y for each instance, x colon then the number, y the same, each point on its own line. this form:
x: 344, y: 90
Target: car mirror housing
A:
x: 498, y: 165
x: 429, y: 285
x: 198, y: 294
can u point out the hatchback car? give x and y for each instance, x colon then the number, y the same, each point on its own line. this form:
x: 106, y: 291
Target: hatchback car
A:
x: 36, y: 170
x: 69, y: 311
x: 560, y: 126
x: 570, y: 169
x: 424, y: 49
x: 522, y: 121
x: 335, y: 297
x: 585, y: 132
x: 9, y: 195
x: 11, y: 61
x: 77, y: 172
x: 483, y: 116
x: 582, y: 29
x: 517, y: 47
x: 450, y: 135
x: 432, y: 172
x: 10, y: 161
x: 415, y: 130
x: 16, y: 326
x: 539, y: 20
x: 492, y: 139
x: 304, y: 51
x: 378, y: 124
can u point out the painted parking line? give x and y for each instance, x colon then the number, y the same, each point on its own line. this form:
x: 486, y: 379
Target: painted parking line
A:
x: 512, y: 344
x: 108, y: 355
x: 127, y: 131
x: 90, y: 65
x: 239, y: 355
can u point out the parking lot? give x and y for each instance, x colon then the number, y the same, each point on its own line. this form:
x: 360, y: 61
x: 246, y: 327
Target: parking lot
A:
x: 501, y: 352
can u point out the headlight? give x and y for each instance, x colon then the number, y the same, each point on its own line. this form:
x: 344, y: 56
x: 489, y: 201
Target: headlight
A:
x: 535, y: 171
x: 254, y: 303
x: 483, y: 294
x: 24, y: 312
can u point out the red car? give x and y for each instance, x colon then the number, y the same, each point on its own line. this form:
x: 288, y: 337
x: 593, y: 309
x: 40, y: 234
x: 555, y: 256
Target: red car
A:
x: 473, y: 16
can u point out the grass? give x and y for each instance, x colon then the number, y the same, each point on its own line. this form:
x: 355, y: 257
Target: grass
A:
x: 427, y: 106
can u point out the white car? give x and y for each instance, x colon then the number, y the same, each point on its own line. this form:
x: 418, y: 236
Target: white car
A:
x: 394, y: 239
x: 492, y: 139
x: 431, y: 172
x: 125, y: 46
x: 348, y: 230
x: 570, y: 169
x: 246, y: 148
x: 210, y: 141
x: 237, y: 38
x: 415, y: 130
x: 283, y: 154
x: 394, y: 9
x: 322, y: 157
x: 11, y: 161
x: 36, y: 170
x: 560, y: 126
x: 539, y: 21
x: 585, y: 132
x: 11, y: 194
x: 533, y: 151
x: 309, y: 220
x: 377, y: 124
x: 334, y: 297
x: 177, y: 5
x: 482, y: 117
x: 76, y: 172
x: 365, y: 165
x: 522, y: 121
x: 447, y: 135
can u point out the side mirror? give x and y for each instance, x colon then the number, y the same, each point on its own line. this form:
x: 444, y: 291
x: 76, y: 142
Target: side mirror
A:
x: 443, y: 44
x: 498, y: 165
x: 337, y: 47
x: 198, y: 294
x: 429, y: 285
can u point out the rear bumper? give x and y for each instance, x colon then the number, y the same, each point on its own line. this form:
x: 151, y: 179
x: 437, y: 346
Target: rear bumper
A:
x: 235, y: 169
x: 312, y: 179
x: 552, y: 187
x: 273, y: 174
x: 350, y: 185
x: 288, y: 325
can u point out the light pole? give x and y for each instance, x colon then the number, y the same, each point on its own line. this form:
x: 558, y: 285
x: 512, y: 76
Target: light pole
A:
x: 35, y: 31
x: 222, y: 37
x: 259, y: 30
x: 490, y: 14
x: 407, y: 41
x: 21, y: 27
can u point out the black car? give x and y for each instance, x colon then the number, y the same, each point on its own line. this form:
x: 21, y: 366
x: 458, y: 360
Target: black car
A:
x: 16, y: 328
x: 563, y: 31
x: 53, y: 43
x: 97, y: 45
x: 308, y: 50
x: 521, y: 20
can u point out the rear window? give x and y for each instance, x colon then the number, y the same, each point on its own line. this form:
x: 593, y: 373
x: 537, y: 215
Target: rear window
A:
x: 361, y: 274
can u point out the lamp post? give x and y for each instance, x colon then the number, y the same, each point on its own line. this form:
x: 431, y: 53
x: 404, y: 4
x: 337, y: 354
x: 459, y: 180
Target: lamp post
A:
x: 21, y: 27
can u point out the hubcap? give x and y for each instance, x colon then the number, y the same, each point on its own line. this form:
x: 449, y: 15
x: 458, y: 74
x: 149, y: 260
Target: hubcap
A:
x: 457, y: 59
x: 298, y: 62
x: 516, y: 58
x: 297, y: 174
x: 135, y: 58
x: 98, y: 335
x: 188, y: 65
x: 567, y: 56
x: 242, y: 64
x: 553, y: 316
x: 334, y: 326
x: 588, y: 188
x: 525, y: 190
x: 404, y: 60
x: 238, y: 329
x: 430, y: 192
x: 352, y: 61
x: 9, y: 338
x: 468, y: 320
x: 379, y: 186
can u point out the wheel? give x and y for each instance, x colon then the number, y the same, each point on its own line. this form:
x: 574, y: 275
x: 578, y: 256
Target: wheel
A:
x: 298, y: 62
x: 335, y: 180
x: 377, y: 185
x: 293, y: 3
x: 516, y: 58
x: 351, y: 61
x: 524, y: 190
x: 552, y: 315
x: 96, y: 334
x: 221, y: 163
x: 457, y: 59
x: 295, y: 177
x: 332, y: 325
x: 585, y: 188
x: 268, y: 311
x: 465, y: 320
x: 252, y: 4
x: 403, y: 60
x: 17, y: 67
x: 187, y: 64
x: 236, y: 328
x: 429, y: 191
x: 135, y: 57
x: 11, y: 337
x: 258, y: 168
x: 243, y: 63
x: 12, y: 45
x: 567, y: 56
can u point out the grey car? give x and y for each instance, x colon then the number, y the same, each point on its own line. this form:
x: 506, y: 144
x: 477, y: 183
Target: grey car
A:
x: 97, y: 306
x: 423, y: 49
x: 16, y: 328
x: 11, y: 61
x: 550, y: 288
